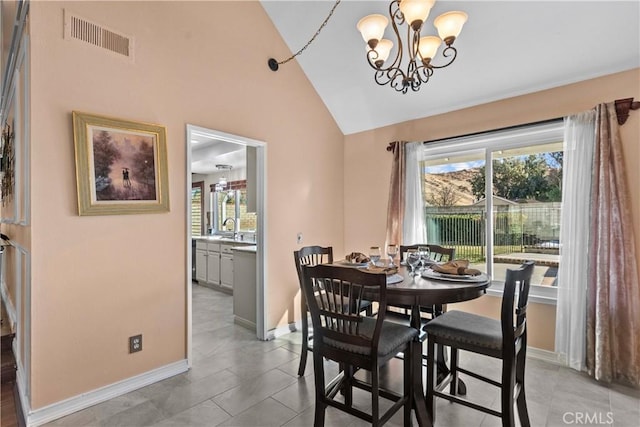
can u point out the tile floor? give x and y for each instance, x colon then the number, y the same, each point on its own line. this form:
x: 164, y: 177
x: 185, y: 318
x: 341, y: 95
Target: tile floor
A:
x: 237, y: 380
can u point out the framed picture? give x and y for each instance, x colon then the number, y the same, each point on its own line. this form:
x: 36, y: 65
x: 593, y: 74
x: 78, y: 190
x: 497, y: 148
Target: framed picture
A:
x: 121, y: 166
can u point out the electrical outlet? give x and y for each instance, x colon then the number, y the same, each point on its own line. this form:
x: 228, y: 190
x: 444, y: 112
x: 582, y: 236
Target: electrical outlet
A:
x: 135, y: 343
x: 299, y: 238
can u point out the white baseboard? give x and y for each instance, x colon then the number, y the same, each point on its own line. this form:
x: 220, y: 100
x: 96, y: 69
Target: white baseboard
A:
x: 280, y: 331
x: 84, y: 400
x: 244, y: 323
x: 546, y: 356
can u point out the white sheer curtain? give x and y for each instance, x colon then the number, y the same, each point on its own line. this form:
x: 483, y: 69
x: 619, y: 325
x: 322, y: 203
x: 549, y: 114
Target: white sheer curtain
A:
x: 579, y: 142
x: 414, y: 229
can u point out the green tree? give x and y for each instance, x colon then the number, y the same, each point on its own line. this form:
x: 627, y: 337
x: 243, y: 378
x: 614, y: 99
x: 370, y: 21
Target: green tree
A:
x: 105, y: 153
x: 521, y: 178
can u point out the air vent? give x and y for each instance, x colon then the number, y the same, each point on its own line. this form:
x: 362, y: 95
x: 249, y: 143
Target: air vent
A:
x: 77, y: 28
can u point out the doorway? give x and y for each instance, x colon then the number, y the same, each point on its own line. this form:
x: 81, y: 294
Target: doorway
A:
x: 221, y: 142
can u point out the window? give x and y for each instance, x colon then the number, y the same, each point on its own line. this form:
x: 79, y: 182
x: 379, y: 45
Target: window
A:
x: 197, y: 208
x: 232, y: 203
x: 521, y: 169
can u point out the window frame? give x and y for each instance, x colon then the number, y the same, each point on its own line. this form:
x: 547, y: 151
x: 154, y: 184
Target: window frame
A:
x: 200, y: 185
x: 487, y: 143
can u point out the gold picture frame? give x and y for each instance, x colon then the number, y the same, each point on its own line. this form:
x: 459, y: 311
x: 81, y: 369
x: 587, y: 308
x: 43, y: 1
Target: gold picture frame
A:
x: 121, y: 166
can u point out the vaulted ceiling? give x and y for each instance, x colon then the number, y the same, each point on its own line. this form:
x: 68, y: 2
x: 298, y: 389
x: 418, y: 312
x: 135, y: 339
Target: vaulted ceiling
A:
x: 507, y: 48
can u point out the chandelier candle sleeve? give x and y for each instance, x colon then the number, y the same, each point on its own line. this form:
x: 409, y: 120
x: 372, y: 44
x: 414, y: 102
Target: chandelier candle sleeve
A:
x: 410, y: 67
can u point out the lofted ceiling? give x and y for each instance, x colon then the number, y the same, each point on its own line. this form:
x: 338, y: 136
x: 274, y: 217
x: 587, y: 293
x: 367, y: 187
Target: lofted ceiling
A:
x: 507, y: 48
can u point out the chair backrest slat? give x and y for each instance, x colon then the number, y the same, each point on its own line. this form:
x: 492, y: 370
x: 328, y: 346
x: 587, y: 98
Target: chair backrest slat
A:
x: 334, y: 295
x: 517, y: 281
x: 436, y: 252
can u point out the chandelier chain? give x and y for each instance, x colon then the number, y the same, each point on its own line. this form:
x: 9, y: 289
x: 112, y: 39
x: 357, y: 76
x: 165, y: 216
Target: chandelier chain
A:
x: 314, y: 36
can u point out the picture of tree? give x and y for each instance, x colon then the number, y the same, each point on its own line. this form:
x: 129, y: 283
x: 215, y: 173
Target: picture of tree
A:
x: 124, y: 166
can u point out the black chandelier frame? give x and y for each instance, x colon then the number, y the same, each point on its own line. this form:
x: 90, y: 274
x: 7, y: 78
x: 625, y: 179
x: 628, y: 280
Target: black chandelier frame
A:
x: 419, y: 69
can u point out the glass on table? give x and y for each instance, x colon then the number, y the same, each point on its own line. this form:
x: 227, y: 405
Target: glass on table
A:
x: 374, y: 255
x: 392, y: 251
x: 425, y: 256
x: 413, y: 260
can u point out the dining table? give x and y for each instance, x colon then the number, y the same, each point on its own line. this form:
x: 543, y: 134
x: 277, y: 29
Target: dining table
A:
x: 423, y: 289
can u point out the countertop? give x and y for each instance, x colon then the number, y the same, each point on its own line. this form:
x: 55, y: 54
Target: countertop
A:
x: 224, y: 240
x: 250, y: 248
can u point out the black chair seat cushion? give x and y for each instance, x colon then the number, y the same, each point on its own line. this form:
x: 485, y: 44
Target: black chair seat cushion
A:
x: 468, y: 332
x: 392, y: 338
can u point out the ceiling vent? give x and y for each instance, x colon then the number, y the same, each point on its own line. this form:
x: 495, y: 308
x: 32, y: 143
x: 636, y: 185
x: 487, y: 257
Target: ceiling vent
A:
x: 77, y: 28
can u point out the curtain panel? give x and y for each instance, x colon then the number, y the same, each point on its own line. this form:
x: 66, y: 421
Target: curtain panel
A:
x: 414, y: 227
x: 397, y: 192
x: 579, y: 143
x: 613, y: 301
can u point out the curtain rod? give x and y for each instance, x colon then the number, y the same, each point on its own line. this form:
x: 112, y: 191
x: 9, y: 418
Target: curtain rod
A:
x: 541, y: 122
x: 622, y: 112
x: 623, y: 107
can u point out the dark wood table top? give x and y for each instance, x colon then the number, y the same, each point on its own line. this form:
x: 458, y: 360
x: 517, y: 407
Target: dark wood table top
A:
x: 418, y: 290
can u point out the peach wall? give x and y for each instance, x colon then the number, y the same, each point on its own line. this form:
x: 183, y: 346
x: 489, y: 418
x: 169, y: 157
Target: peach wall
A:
x: 366, y: 160
x: 98, y: 280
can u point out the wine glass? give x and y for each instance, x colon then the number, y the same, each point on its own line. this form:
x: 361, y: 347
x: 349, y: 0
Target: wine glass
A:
x: 392, y: 251
x: 374, y: 254
x: 425, y: 256
x: 413, y: 260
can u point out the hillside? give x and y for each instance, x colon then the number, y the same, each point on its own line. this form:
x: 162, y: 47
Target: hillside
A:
x: 450, y: 188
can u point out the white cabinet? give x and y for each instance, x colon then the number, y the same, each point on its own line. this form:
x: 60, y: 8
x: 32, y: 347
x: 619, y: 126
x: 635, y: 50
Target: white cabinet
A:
x: 201, y: 265
x: 226, y: 270
x: 207, y: 263
x: 244, y: 287
x: 213, y: 268
x: 214, y: 264
x: 226, y: 265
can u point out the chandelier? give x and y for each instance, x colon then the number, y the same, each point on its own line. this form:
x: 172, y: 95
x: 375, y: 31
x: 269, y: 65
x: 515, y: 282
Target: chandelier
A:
x: 419, y: 50
x: 222, y: 182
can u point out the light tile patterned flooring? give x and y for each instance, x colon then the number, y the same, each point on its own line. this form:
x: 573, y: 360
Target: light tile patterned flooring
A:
x: 237, y: 380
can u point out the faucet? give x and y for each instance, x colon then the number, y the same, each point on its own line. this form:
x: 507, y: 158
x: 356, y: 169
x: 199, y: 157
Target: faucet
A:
x: 235, y: 224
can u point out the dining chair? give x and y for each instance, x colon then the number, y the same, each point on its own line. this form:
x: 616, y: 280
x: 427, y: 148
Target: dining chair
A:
x: 501, y: 339
x: 437, y: 253
x: 309, y: 256
x: 355, y: 341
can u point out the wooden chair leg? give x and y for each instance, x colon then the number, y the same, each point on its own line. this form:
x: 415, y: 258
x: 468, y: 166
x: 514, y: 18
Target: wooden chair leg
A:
x: 453, y: 370
x: 431, y: 378
x: 305, y: 339
x: 521, y: 401
x: 506, y: 392
x: 348, y: 388
x: 407, y: 382
x: 375, y: 396
x: 318, y: 373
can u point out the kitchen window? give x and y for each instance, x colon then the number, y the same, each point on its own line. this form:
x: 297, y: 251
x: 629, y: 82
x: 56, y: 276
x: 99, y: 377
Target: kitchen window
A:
x: 197, y: 208
x: 521, y: 170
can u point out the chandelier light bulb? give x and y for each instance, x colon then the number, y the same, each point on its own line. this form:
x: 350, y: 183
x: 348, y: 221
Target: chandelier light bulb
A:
x: 415, y: 12
x: 449, y: 25
x: 428, y: 47
x: 372, y: 28
x: 383, y: 49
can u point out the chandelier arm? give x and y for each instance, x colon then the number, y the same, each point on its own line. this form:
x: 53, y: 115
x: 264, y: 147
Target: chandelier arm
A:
x: 453, y: 52
x: 396, y: 15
